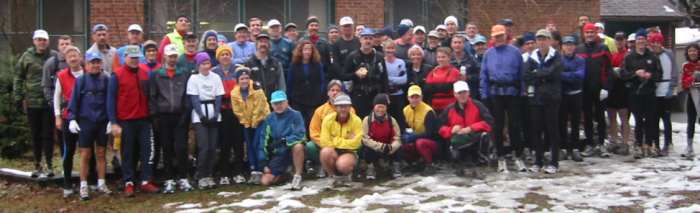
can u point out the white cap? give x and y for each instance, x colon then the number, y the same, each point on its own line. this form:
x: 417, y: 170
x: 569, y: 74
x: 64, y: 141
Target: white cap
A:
x: 239, y: 26
x: 599, y: 25
x: 40, y: 34
x: 434, y: 34
x: 441, y: 27
x: 345, y: 20
x: 451, y: 19
x: 171, y: 49
x: 419, y: 28
x: 135, y: 27
x: 273, y: 22
x: 406, y: 22
x: 632, y: 37
x: 460, y: 86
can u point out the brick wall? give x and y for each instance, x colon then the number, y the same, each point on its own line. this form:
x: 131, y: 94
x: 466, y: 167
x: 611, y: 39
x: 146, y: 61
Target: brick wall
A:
x: 117, y: 15
x: 367, y: 12
x: 531, y: 15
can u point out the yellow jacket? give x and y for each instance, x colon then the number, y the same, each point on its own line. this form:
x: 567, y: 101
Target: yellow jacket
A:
x: 415, y: 117
x: 252, y: 111
x: 316, y: 120
x: 341, y: 136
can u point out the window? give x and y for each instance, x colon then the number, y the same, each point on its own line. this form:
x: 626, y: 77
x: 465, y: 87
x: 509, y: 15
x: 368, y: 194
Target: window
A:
x: 18, y: 20
x: 264, y: 9
x: 162, y: 16
x: 69, y: 20
x: 428, y: 13
x: 221, y: 16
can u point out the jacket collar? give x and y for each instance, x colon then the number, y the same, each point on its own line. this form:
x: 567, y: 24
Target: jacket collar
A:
x: 536, y: 56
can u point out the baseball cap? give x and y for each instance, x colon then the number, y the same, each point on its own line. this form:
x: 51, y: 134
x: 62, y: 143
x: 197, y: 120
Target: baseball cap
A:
x: 441, y: 27
x: 171, y: 49
x: 134, y: 27
x: 434, y: 34
x: 506, y: 22
x: 632, y: 37
x: 655, y: 37
x: 40, y: 34
x: 451, y: 19
x: 414, y: 90
x: 589, y: 27
x: 620, y: 35
x: 262, y: 34
x: 278, y: 96
x: 599, y: 25
x: 150, y: 44
x: 240, y: 26
x: 543, y: 33
x: 498, y: 30
x: 367, y: 32
x: 99, y: 27
x: 407, y: 22
x: 569, y: 40
x: 419, y: 28
x: 479, y: 39
x: 90, y: 56
x: 190, y: 35
x: 290, y: 25
x: 342, y: 100
x: 273, y: 22
x: 460, y: 86
x: 345, y: 20
x: 133, y: 51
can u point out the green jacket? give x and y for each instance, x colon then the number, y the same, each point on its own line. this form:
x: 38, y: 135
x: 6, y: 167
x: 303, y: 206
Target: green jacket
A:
x: 27, y: 79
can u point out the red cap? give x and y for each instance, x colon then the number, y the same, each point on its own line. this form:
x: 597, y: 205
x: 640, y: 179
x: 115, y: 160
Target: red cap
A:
x: 655, y: 38
x: 589, y: 27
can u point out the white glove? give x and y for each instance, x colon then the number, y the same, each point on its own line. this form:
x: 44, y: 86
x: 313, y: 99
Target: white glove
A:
x: 73, y: 127
x: 109, y: 128
x: 603, y: 94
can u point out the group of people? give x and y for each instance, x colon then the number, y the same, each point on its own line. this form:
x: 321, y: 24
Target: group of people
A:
x: 398, y: 98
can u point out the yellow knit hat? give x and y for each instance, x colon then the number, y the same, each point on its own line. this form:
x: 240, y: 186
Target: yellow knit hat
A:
x: 223, y: 48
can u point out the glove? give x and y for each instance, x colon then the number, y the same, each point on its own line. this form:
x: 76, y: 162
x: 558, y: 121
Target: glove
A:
x: 386, y: 148
x: 603, y: 94
x: 109, y: 128
x: 407, y: 138
x: 73, y: 127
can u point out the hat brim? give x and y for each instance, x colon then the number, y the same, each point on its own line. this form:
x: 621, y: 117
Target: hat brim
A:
x: 342, y: 103
x: 498, y: 33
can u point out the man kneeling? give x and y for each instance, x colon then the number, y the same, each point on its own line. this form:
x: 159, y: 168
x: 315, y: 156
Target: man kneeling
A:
x: 465, y: 124
x: 281, y: 139
x: 341, y: 137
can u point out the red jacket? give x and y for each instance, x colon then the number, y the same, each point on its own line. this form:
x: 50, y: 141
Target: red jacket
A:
x: 438, y: 86
x: 128, y: 90
x: 67, y: 81
x: 618, y: 57
x: 688, y: 69
x: 473, y: 114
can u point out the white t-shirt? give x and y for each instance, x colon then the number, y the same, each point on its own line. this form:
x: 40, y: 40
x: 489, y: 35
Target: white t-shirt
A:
x: 207, y: 88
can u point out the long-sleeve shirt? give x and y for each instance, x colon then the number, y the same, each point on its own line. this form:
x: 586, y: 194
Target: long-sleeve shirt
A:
x: 501, y: 72
x: 242, y: 51
x: 58, y: 93
x: 398, y: 77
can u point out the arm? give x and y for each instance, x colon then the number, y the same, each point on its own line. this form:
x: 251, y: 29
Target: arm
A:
x: 687, y: 77
x: 355, y: 142
x: 396, y: 140
x: 445, y: 130
x: 217, y: 104
x: 674, y: 73
x: 20, y: 77
x: 315, y: 127
x: 298, y: 131
x: 281, y: 83
x: 484, y: 78
x: 73, y: 105
x: 487, y: 120
x: 46, y: 78
x: 113, y: 87
x: 197, y: 105
x: 153, y: 96
x: 58, y: 98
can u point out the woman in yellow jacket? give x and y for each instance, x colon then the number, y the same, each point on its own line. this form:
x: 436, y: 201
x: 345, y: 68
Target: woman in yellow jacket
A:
x: 250, y: 106
x: 341, y: 137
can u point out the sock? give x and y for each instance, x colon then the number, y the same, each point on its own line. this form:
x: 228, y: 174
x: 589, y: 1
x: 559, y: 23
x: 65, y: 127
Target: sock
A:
x: 100, y: 182
x: 83, y: 184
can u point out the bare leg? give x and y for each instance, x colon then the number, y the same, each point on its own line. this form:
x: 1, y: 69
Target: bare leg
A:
x: 346, y: 163
x: 612, y: 129
x: 626, y: 130
x: 328, y: 160
x: 101, y: 162
x: 298, y: 156
x: 85, y: 155
x: 267, y: 178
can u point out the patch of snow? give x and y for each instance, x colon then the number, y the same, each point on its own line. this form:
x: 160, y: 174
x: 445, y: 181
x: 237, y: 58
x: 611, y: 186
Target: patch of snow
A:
x: 295, y: 204
x: 668, y: 9
x: 171, y: 205
x: 189, y: 205
x: 227, y: 194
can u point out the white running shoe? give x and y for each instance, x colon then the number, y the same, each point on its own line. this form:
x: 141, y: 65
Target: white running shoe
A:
x: 296, y: 182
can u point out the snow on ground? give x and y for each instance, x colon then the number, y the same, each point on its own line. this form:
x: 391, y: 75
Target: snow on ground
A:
x: 651, y: 184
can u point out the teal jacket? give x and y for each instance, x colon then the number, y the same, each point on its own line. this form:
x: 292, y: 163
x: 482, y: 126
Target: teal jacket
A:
x: 278, y: 133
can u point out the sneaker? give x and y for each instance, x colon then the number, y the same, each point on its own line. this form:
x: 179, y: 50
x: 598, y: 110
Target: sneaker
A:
x: 224, y: 181
x: 688, y: 153
x: 551, y: 169
x: 169, y: 187
x: 342, y: 180
x: 239, y: 179
x: 654, y: 152
x: 396, y: 170
x: 535, y: 169
x: 520, y: 165
x: 203, y: 183
x: 638, y: 153
x: 38, y: 170
x: 429, y: 170
x: 502, y: 166
x: 49, y: 172
x: 576, y: 156
x: 591, y: 151
x: 84, y: 193
x: 320, y: 173
x: 129, y: 189
x: 370, y: 173
x: 255, y: 178
x: 149, y: 187
x: 211, y: 182
x: 604, y: 152
x: 67, y: 193
x: 296, y: 182
x: 104, y: 189
x: 309, y: 166
x: 624, y: 149
x: 185, y: 185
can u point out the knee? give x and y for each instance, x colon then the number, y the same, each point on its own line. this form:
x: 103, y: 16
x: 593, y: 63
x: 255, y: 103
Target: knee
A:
x: 267, y: 179
x: 298, y: 148
x: 327, y: 153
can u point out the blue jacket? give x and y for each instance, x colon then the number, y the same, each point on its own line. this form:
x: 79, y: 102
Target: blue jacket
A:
x: 573, y: 74
x: 242, y: 52
x: 89, y: 99
x: 281, y: 49
x: 501, y: 72
x: 278, y: 133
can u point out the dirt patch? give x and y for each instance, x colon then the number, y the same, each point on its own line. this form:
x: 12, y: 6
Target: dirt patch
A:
x: 542, y: 201
x: 626, y: 209
x: 691, y: 197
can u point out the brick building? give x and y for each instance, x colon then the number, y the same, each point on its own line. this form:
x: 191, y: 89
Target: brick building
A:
x: 74, y: 17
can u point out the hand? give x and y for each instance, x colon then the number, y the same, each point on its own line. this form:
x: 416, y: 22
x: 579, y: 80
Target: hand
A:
x: 361, y: 73
x: 456, y: 128
x: 350, y: 135
x: 386, y: 148
x: 465, y: 131
x: 59, y: 123
x: 73, y: 127
x: 603, y: 94
x: 109, y: 128
x: 647, y: 75
x: 640, y: 72
x: 116, y: 130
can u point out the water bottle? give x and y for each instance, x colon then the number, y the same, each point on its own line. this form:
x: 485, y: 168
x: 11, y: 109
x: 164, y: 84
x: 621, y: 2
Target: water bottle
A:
x: 463, y: 71
x: 530, y: 91
x: 117, y: 142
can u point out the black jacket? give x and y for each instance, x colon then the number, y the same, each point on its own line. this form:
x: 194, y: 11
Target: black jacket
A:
x: 543, y: 73
x: 306, y: 90
x: 598, y: 65
x: 377, y: 79
x: 168, y: 95
x: 418, y: 78
x: 648, y: 62
x: 270, y: 76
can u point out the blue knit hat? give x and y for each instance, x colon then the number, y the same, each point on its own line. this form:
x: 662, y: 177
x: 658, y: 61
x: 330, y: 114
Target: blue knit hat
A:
x: 528, y: 36
x: 641, y: 32
x: 402, y: 29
